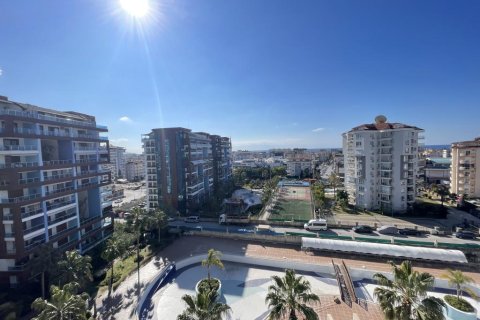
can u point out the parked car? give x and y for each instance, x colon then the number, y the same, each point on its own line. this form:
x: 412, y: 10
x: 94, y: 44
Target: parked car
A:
x: 465, y: 235
x: 387, y: 230
x: 362, y: 229
x: 409, y: 232
x: 171, y: 219
x: 192, y: 219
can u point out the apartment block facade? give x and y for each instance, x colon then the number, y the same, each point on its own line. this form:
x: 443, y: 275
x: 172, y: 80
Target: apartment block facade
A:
x: 135, y: 170
x: 117, y: 164
x: 52, y: 188
x: 182, y: 167
x: 465, y: 168
x: 382, y: 165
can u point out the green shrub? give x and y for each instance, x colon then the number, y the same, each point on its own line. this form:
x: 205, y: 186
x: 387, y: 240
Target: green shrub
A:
x: 460, y: 304
x: 205, y: 285
x: 106, y: 281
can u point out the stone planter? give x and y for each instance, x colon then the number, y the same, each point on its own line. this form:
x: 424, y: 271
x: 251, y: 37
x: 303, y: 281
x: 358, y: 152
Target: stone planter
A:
x: 219, y: 291
x: 453, y: 313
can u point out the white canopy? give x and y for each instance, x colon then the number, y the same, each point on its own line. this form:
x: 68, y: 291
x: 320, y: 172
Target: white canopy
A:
x: 385, y: 249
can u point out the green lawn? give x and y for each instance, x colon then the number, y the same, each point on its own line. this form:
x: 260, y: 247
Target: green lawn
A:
x: 292, y: 209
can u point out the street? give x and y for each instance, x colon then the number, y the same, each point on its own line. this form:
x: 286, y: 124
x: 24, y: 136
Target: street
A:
x: 213, y: 226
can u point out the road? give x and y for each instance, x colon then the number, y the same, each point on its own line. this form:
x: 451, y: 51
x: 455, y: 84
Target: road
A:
x: 213, y: 226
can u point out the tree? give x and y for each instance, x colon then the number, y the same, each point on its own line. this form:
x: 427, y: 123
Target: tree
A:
x: 76, y: 267
x: 110, y: 253
x: 458, y: 280
x: 44, y: 263
x: 139, y: 223
x: 212, y: 260
x: 290, y: 295
x: 158, y: 219
x: 342, y: 198
x: 441, y: 190
x: 115, y: 247
x: 334, y: 181
x: 405, y: 297
x: 203, y: 306
x: 64, y: 304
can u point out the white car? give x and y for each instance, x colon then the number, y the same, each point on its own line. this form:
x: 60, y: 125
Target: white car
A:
x: 316, y: 225
x: 192, y: 219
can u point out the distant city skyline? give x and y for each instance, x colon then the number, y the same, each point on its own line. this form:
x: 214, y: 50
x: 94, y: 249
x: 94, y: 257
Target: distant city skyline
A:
x: 267, y: 74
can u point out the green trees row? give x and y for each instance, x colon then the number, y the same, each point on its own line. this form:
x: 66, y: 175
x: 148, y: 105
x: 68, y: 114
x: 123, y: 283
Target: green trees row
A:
x: 242, y: 176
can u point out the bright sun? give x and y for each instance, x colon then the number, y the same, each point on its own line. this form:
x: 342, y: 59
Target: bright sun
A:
x: 136, y: 8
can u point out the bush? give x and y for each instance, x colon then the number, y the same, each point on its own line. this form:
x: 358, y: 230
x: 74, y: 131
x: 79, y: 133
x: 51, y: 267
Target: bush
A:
x: 460, y: 303
x: 106, y: 281
x: 205, y: 285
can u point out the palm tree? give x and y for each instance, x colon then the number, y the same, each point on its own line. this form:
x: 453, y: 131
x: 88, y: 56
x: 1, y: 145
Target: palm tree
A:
x: 405, y: 297
x: 289, y: 295
x: 64, y: 304
x: 459, y: 280
x: 139, y: 223
x: 212, y: 260
x: 203, y: 306
x: 159, y: 219
x: 113, y: 250
x: 76, y: 267
x: 334, y: 180
x: 44, y: 263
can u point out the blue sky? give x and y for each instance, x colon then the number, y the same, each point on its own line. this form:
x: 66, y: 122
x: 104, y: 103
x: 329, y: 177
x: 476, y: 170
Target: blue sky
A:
x: 267, y: 73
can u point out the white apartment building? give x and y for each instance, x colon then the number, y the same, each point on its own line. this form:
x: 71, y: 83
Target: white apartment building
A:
x: 296, y: 167
x: 117, y: 163
x: 135, y: 170
x: 464, y: 174
x: 382, y: 165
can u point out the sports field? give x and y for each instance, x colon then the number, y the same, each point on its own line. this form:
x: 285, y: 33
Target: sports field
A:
x: 291, y: 203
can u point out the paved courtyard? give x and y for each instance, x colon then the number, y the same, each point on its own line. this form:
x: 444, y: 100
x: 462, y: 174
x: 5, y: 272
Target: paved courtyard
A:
x: 244, y: 285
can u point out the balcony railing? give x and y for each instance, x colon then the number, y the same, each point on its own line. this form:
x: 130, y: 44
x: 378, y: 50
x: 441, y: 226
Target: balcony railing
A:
x: 90, y: 232
x: 8, y: 217
x: 29, y: 180
x: 34, y: 244
x: 36, y: 115
x: 60, y: 190
x: 57, y: 162
x: 58, y: 176
x: 61, y: 233
x: 18, y: 165
x: 21, y: 199
x: 9, y: 234
x: 61, y: 218
x: 31, y: 213
x: 18, y: 148
x: 33, y: 229
x: 89, y: 219
x: 60, y: 204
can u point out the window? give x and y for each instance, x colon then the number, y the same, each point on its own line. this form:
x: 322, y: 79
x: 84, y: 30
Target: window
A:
x: 467, y: 153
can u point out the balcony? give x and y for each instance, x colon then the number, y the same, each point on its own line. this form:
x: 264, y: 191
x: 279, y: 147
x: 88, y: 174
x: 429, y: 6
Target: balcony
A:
x: 60, y: 204
x: 62, y: 233
x: 60, y: 218
x: 90, y: 232
x: 57, y: 177
x: 19, y: 165
x: 38, y: 116
x: 30, y: 213
x: 18, y: 148
x: 84, y: 221
x: 33, y: 229
x: 59, y: 190
x: 34, y: 244
x: 29, y: 180
x: 28, y: 131
x: 9, y: 234
x: 8, y: 217
x: 22, y: 198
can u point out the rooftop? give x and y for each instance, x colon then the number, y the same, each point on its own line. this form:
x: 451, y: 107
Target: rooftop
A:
x: 382, y: 124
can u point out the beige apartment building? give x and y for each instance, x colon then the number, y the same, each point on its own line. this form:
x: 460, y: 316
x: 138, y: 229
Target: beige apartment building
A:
x: 464, y: 174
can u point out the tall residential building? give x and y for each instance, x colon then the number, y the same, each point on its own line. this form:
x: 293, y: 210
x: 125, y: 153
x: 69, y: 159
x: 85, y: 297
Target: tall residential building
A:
x: 222, y: 162
x: 52, y: 189
x: 135, y: 170
x: 180, y: 167
x: 117, y: 163
x: 382, y: 165
x: 465, y: 169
